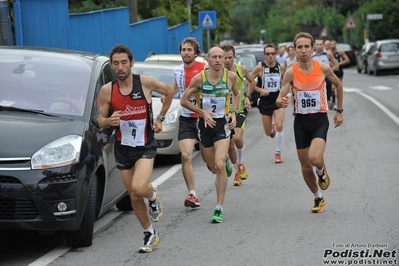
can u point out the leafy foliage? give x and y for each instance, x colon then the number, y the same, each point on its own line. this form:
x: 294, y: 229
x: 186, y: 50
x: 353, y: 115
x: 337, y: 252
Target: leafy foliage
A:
x: 282, y: 19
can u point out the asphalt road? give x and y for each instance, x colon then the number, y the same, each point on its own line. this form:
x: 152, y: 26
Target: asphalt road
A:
x: 267, y: 221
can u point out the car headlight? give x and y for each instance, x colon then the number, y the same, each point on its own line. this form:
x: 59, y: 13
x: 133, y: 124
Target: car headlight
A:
x: 61, y: 152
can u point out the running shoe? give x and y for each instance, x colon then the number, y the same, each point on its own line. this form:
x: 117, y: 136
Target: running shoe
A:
x: 324, y: 179
x: 229, y: 170
x: 217, y: 216
x: 192, y: 201
x: 150, y: 242
x: 273, y: 134
x: 237, y: 180
x: 277, y: 158
x: 155, y: 208
x: 318, y: 205
x: 242, y: 171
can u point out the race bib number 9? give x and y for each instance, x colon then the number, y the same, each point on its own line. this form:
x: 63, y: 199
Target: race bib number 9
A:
x: 308, y: 102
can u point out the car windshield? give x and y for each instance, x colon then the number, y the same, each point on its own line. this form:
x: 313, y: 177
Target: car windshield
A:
x: 248, y: 61
x: 163, y: 75
x: 47, y: 82
x: 344, y: 47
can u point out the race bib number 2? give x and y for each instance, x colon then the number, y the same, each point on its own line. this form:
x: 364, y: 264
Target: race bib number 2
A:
x: 215, y: 105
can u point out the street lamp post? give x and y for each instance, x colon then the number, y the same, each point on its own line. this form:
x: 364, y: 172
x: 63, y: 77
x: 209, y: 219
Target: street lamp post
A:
x: 262, y: 31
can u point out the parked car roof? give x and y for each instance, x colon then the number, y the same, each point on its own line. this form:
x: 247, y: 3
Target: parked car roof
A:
x: 169, y: 58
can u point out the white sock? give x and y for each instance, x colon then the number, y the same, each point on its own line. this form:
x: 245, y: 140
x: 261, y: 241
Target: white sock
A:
x: 320, y: 171
x: 150, y: 229
x: 192, y: 192
x: 318, y: 194
x: 154, y: 196
x: 279, y: 141
x: 240, y: 152
x: 220, y: 207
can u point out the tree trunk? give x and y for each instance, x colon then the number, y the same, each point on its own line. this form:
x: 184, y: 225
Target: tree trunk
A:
x: 132, y: 4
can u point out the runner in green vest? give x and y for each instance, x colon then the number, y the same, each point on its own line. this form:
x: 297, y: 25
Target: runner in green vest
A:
x: 236, y: 150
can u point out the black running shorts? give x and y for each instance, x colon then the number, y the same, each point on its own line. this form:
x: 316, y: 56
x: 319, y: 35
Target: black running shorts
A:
x: 310, y: 126
x: 126, y: 156
x: 208, y: 136
x: 187, y: 128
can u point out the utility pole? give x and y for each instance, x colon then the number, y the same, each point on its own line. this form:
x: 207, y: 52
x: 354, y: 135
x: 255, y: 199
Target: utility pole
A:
x: 132, y: 5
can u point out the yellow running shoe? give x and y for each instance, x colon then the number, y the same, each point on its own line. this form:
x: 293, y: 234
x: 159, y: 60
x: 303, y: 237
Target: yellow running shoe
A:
x: 242, y: 171
x: 324, y: 179
x: 318, y: 205
x: 237, y: 180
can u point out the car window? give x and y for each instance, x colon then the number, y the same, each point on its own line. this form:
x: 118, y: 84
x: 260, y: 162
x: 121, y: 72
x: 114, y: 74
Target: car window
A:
x: 248, y: 61
x: 54, y: 83
x: 344, y: 47
x: 106, y: 75
x: 389, y: 47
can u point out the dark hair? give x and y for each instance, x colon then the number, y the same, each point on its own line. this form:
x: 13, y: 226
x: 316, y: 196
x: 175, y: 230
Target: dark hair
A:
x: 121, y: 49
x: 193, y: 42
x: 228, y: 47
x: 304, y: 35
x: 269, y: 45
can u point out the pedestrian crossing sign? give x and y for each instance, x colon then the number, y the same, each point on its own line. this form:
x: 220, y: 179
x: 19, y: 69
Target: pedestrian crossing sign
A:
x: 207, y: 19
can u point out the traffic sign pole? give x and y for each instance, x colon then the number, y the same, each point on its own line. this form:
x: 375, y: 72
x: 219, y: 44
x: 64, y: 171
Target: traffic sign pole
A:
x: 371, y: 17
x: 207, y: 20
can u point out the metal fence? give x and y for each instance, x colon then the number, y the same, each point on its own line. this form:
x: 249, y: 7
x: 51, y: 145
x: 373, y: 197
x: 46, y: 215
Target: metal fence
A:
x: 47, y: 23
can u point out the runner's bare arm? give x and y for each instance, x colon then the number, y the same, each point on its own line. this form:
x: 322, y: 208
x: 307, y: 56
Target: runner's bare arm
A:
x: 105, y: 97
x: 282, y: 99
x: 333, y: 61
x: 195, y: 84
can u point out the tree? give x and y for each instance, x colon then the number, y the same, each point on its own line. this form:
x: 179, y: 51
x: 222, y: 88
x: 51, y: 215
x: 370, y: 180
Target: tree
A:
x: 132, y: 5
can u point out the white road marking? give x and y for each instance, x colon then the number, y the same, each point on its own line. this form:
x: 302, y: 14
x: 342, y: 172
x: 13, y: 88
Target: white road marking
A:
x: 106, y: 219
x: 377, y: 103
x: 380, y: 88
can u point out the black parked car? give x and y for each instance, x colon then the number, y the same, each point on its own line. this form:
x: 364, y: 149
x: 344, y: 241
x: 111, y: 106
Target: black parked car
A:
x: 57, y: 167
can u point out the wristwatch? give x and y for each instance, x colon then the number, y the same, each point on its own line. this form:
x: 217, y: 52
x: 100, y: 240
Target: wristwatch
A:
x: 338, y: 110
x: 161, y: 117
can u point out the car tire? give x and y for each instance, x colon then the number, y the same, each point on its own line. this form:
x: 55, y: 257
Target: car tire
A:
x: 83, y: 237
x: 125, y: 204
x: 176, y: 158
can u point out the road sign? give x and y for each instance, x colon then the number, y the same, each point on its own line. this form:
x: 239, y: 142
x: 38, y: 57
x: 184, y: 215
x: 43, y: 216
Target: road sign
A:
x: 374, y: 16
x: 350, y: 23
x: 207, y: 19
x: 323, y: 32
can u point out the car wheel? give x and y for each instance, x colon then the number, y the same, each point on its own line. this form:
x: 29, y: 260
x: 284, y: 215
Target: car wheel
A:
x: 176, y: 158
x: 125, y: 204
x: 83, y: 237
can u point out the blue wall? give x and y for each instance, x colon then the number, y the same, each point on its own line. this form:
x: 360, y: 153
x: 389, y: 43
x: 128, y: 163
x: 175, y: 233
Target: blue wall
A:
x: 47, y: 23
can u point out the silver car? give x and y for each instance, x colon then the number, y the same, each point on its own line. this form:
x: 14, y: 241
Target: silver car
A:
x: 168, y: 143
x: 383, y: 55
